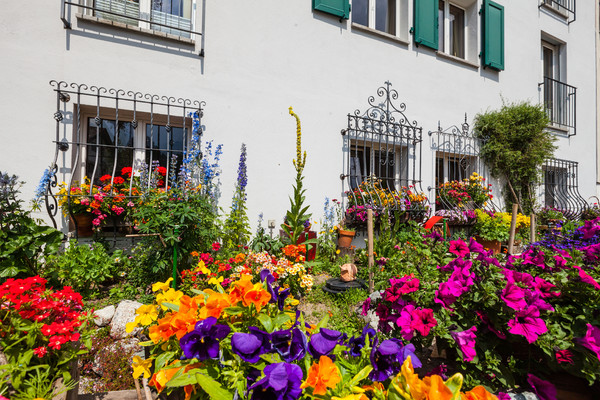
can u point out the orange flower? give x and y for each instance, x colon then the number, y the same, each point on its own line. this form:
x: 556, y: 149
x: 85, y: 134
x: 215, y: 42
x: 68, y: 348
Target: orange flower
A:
x: 162, y: 377
x: 257, y: 296
x: 240, y: 258
x: 183, y: 323
x: 239, y: 288
x: 194, y: 254
x: 478, y: 393
x: 322, y: 375
x: 215, y: 304
x: 434, y: 388
x: 187, y: 303
x: 163, y: 331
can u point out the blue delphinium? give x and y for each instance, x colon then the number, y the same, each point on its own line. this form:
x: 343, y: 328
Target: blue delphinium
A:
x: 42, y: 187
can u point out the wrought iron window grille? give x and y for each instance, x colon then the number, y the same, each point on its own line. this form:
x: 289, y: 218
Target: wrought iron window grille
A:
x: 128, y: 12
x: 106, y: 130
x: 456, y: 156
x: 560, y: 102
x: 383, y: 159
x: 560, y: 187
x: 562, y: 6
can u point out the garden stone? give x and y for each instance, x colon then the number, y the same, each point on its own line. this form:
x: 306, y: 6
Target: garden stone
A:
x: 124, y: 314
x: 348, y: 272
x: 103, y: 316
x: 523, y: 396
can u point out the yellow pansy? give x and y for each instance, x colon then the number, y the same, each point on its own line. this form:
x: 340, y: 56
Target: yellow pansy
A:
x: 170, y: 296
x: 146, y: 314
x: 141, y: 366
x: 202, y: 268
x: 215, y: 281
x: 164, y: 286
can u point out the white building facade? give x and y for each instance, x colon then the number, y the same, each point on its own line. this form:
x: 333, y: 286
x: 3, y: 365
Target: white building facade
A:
x: 133, y: 62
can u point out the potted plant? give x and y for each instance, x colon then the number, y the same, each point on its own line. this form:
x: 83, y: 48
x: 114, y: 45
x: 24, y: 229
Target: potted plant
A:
x: 81, y: 201
x: 491, y: 229
x: 344, y: 231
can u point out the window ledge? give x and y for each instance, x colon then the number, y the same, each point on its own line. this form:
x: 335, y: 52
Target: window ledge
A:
x: 561, y: 12
x: 134, y: 28
x: 457, y: 59
x: 559, y: 129
x: 379, y: 33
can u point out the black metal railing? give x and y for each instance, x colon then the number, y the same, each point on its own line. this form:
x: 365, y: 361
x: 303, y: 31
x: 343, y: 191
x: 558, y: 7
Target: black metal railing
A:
x: 383, y: 159
x: 560, y: 101
x: 459, y: 170
x: 129, y: 12
x: 566, y: 6
x: 560, y: 187
x: 105, y: 138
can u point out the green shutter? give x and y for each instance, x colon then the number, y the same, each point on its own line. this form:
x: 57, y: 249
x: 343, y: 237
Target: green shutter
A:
x: 493, y: 35
x: 426, y: 23
x: 340, y: 8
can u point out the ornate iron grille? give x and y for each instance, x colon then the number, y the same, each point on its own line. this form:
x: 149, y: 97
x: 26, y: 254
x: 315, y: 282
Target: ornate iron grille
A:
x: 456, y: 153
x: 566, y: 6
x: 560, y: 102
x: 560, y: 187
x: 110, y: 134
x: 383, y: 163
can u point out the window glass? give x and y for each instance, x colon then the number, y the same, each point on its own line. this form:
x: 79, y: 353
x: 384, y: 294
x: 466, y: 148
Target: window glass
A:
x: 360, y: 12
x: 166, y: 145
x: 385, y: 16
x: 456, y: 21
x: 101, y: 142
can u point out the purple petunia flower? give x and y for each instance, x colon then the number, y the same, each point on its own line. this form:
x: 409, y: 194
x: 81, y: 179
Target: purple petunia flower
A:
x: 466, y: 342
x: 543, y: 389
x: 387, y: 359
x: 203, y: 342
x: 281, y: 382
x: 323, y: 342
x: 290, y: 344
x: 250, y: 346
x: 475, y: 247
x: 527, y: 323
x: 591, y: 340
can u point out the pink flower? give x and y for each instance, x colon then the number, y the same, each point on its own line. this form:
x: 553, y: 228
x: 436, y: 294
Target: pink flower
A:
x: 586, y: 278
x: 527, y: 323
x: 423, y: 320
x: 130, y: 204
x: 459, y: 248
x: 544, y: 389
x: 513, y: 296
x: 365, y: 307
x: 405, y: 322
x: 85, y: 201
x: 591, y: 340
x: 486, y: 320
x: 503, y: 396
x: 216, y: 246
x: 96, y: 221
x: 564, y: 356
x: 466, y: 342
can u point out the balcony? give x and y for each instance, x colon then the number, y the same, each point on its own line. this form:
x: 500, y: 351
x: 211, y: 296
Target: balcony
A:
x: 144, y: 15
x: 566, y: 8
x: 560, y: 104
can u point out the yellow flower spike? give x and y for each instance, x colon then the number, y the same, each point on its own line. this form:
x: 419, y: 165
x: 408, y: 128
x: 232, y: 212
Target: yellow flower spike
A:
x: 141, y: 366
x: 164, y: 286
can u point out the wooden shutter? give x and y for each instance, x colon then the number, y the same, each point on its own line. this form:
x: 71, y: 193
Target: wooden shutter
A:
x: 425, y: 27
x: 493, y: 35
x: 340, y: 8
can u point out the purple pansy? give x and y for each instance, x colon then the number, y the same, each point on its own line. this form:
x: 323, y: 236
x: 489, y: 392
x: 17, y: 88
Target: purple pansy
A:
x: 387, y: 359
x: 323, y: 342
x: 203, y: 342
x: 250, y: 346
x: 290, y: 344
x: 356, y: 344
x: 281, y: 382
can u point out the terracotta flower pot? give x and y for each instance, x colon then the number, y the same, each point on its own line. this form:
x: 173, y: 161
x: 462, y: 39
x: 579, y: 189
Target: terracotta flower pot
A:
x: 345, y: 238
x: 83, y: 223
x: 493, y: 245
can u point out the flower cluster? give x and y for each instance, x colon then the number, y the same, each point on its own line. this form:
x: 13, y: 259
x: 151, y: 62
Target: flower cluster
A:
x: 496, y: 225
x: 458, y: 217
x: 456, y: 194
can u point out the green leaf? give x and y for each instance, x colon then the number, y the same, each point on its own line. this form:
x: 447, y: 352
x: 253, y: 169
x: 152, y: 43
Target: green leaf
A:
x: 266, y: 322
x: 162, y: 359
x: 172, y: 306
x: 280, y: 320
x: 362, y: 374
x: 234, y: 310
x: 183, y: 378
x: 213, y: 388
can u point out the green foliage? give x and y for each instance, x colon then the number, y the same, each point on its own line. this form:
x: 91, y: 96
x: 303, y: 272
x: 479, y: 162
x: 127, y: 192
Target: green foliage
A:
x: 515, y: 144
x: 236, y: 229
x: 24, y: 243
x: 263, y: 242
x: 83, y: 267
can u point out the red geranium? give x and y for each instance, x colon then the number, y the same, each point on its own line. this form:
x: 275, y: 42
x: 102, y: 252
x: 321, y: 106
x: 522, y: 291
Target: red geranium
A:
x: 105, y: 178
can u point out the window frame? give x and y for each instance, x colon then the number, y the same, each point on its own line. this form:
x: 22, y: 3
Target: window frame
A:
x: 400, y: 29
x: 444, y: 33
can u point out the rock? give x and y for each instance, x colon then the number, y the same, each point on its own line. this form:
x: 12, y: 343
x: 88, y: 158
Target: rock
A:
x: 103, y: 316
x: 348, y: 272
x: 124, y: 314
x: 523, y: 396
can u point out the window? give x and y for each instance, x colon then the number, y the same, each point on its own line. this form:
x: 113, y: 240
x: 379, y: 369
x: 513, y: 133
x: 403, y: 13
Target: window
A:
x: 566, y: 8
x: 560, y: 187
x: 377, y: 162
x: 558, y: 97
x: 451, y: 28
x: 387, y: 16
x: 169, y: 16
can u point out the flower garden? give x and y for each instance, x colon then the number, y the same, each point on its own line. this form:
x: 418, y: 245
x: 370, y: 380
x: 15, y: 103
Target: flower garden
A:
x: 228, y: 314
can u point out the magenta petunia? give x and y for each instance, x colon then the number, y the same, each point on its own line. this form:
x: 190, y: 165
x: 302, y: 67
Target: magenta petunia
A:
x: 545, y: 288
x: 405, y: 322
x: 543, y: 389
x: 564, y: 356
x: 585, y: 277
x: 459, y: 248
x: 591, y: 340
x: 527, y: 323
x: 513, y: 296
x: 466, y: 342
x: 423, y: 320
x: 486, y: 320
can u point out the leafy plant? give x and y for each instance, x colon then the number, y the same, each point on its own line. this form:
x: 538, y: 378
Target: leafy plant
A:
x: 236, y: 229
x: 24, y: 242
x: 515, y: 144
x: 298, y: 214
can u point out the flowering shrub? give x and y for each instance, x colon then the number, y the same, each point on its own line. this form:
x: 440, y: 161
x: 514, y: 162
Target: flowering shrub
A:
x: 456, y: 194
x: 247, y: 343
x: 496, y: 225
x: 535, y: 314
x: 41, y: 328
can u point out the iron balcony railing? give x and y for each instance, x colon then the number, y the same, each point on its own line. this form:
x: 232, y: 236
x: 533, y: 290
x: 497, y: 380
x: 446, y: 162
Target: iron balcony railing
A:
x: 560, y: 187
x: 562, y: 6
x: 560, y: 101
x: 129, y: 12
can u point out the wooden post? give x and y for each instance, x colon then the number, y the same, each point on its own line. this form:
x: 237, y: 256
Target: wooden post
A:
x: 532, y: 223
x: 370, y: 238
x: 513, y: 227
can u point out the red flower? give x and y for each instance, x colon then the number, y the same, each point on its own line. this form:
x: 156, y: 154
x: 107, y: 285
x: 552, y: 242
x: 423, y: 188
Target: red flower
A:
x: 216, y: 246
x: 57, y: 341
x: 126, y: 171
x: 118, y: 180
x: 105, y: 178
x: 40, y: 351
x: 161, y: 170
x: 564, y: 356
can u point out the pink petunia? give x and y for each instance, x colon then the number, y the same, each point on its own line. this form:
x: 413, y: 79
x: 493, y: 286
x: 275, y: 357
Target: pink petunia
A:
x: 564, y: 356
x: 466, y: 342
x: 405, y: 322
x: 486, y: 320
x: 423, y: 320
x: 513, y: 296
x: 591, y: 340
x: 527, y: 323
x: 585, y: 277
x: 459, y: 248
x: 543, y: 389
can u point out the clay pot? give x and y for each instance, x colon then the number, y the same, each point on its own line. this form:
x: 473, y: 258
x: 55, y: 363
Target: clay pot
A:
x: 493, y: 245
x: 83, y: 223
x: 345, y: 238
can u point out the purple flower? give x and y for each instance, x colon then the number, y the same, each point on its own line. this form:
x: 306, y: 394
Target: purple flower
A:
x: 543, y: 389
x: 290, y: 344
x: 356, y: 344
x: 527, y: 323
x: 585, y: 277
x: 591, y: 340
x: 513, y: 296
x: 203, y: 342
x: 323, y: 342
x: 459, y: 248
x: 281, y: 382
x: 466, y: 342
x: 387, y: 359
x: 475, y: 247
x: 250, y: 346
